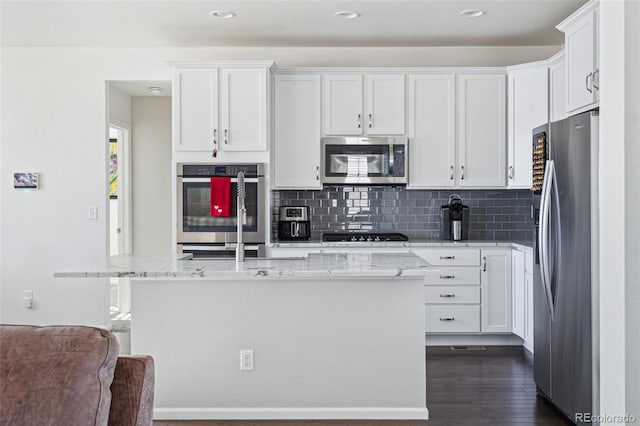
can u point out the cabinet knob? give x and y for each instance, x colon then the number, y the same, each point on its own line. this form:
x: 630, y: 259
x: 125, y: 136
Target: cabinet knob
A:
x: 317, y: 172
x: 359, y: 121
x: 447, y: 319
x: 596, y: 79
x: 226, y: 136
x: 447, y: 277
x: 448, y: 295
x: 510, y: 172
x: 450, y: 172
x: 462, y: 172
x: 215, y: 143
x: 484, y: 264
x: 370, y: 121
x: 447, y: 257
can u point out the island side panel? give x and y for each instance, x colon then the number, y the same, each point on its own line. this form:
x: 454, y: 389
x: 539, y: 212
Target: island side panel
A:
x: 342, y: 343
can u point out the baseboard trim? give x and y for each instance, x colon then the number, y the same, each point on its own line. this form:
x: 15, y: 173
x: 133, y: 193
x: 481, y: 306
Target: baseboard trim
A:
x: 291, y: 413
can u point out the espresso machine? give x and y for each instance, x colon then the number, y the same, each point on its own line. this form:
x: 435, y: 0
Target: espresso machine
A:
x: 294, y: 224
x: 455, y: 219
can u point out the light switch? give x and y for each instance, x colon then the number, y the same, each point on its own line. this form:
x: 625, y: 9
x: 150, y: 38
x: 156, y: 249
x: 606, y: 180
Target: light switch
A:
x: 93, y: 212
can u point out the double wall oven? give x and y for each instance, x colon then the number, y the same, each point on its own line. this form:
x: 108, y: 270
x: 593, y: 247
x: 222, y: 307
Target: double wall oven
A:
x: 207, y: 236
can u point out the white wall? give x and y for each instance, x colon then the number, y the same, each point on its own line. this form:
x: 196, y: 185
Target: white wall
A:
x: 151, y: 174
x: 632, y: 200
x: 53, y: 121
x: 613, y: 230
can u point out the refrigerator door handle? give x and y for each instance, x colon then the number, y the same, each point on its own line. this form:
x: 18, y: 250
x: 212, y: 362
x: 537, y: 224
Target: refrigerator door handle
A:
x: 557, y: 252
x: 543, y: 236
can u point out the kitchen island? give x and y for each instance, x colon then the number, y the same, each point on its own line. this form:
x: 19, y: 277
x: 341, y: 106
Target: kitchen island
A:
x: 334, y: 336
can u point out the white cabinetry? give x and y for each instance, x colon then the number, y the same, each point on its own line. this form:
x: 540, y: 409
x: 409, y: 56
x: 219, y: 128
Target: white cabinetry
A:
x: 519, y: 297
x: 481, y: 130
x: 379, y: 112
x: 581, y: 58
x: 557, y: 88
x: 528, y: 295
x: 495, y: 284
x: 527, y: 109
x: 296, y: 154
x: 220, y: 109
x: 452, y: 298
x: 431, y: 130
x: 195, y: 109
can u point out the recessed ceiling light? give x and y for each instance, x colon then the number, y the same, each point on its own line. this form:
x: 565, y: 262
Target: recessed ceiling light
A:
x: 223, y: 14
x: 155, y: 91
x: 472, y: 13
x: 346, y: 14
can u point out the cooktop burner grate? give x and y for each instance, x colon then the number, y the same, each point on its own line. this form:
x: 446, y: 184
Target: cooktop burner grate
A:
x: 364, y: 237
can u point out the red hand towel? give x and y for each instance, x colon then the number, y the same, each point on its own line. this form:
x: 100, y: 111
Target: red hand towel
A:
x: 220, y: 196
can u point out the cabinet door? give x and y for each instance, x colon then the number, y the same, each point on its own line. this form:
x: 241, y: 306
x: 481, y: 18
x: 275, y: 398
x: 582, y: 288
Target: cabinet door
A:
x: 243, y: 109
x: 495, y: 291
x: 557, y: 91
x: 431, y: 131
x: 296, y: 158
x: 481, y: 130
x: 385, y: 105
x: 580, y: 60
x: 343, y: 105
x: 528, y: 323
x: 519, y: 297
x: 195, y: 109
x: 528, y: 108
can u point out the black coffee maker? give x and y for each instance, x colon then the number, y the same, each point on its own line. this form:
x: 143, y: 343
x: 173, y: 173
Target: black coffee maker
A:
x: 455, y: 219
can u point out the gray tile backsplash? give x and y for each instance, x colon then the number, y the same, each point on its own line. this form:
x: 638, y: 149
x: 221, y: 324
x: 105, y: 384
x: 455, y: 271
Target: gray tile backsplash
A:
x: 494, y: 215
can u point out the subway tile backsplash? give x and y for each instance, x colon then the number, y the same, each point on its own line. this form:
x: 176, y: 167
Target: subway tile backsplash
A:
x: 494, y: 215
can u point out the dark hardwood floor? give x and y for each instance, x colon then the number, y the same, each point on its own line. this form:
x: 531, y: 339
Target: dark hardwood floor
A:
x: 492, y: 387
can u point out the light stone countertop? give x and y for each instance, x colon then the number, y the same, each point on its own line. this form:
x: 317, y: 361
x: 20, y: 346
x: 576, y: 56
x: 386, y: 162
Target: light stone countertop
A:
x: 526, y: 246
x: 315, y: 265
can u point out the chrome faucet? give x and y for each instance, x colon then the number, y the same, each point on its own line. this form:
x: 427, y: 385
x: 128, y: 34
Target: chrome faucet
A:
x: 241, y: 213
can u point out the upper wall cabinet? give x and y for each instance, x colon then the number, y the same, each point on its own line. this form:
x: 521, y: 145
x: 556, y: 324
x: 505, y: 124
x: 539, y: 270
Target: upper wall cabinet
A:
x: 527, y: 109
x: 481, y: 130
x: 377, y: 110
x: 582, y: 68
x: 296, y: 154
x: 431, y: 130
x: 220, y: 109
x: 557, y: 88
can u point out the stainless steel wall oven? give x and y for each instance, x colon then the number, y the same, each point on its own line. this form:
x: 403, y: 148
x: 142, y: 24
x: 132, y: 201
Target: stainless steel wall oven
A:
x: 205, y: 235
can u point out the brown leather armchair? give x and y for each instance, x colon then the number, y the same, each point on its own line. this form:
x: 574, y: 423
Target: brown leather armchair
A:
x: 71, y: 375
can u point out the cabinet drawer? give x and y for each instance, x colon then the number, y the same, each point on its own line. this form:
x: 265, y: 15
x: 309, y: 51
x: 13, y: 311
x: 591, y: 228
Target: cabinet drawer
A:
x: 464, y: 275
x: 451, y: 294
x: 450, y: 257
x: 452, y: 318
x: 528, y: 263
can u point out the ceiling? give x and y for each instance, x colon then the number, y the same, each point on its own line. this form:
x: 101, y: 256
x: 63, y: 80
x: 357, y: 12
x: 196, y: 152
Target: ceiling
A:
x: 290, y: 23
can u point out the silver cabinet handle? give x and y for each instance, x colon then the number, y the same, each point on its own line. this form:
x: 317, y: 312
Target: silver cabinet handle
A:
x: 447, y: 295
x: 317, y: 172
x: 370, y: 121
x: 359, y: 121
x: 214, y: 154
x: 226, y: 136
x: 447, y: 277
x: 586, y: 82
x: 596, y: 81
x: 462, y: 172
x: 447, y: 257
x: 510, y: 172
x: 447, y: 319
x: 484, y: 264
x: 450, y: 172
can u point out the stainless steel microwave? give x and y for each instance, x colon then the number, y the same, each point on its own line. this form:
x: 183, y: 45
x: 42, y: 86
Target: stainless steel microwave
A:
x: 364, y: 160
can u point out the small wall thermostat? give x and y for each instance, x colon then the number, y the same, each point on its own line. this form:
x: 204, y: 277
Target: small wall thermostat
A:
x: 25, y: 180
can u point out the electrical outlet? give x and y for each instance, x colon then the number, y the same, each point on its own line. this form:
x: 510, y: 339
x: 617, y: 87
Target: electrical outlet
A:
x: 28, y: 299
x: 246, y: 359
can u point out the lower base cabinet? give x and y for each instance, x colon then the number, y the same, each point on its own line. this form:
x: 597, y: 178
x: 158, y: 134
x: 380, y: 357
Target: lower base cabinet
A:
x: 452, y: 318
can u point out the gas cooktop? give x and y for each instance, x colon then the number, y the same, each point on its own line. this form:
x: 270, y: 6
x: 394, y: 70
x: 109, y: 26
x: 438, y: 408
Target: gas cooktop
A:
x: 364, y: 237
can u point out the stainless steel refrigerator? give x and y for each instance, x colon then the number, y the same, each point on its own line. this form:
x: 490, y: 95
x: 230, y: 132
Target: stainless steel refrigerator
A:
x: 565, y: 211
